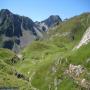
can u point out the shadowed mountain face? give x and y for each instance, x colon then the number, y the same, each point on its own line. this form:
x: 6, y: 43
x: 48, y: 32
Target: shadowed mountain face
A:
x: 52, y: 20
x: 18, y: 31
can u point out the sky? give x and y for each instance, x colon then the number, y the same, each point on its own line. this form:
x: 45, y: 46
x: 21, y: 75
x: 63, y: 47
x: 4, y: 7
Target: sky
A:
x: 39, y: 10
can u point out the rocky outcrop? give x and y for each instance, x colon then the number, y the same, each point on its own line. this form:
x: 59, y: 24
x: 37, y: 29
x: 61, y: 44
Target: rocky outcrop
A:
x: 52, y: 20
x: 85, y: 39
x: 21, y: 76
x: 77, y: 72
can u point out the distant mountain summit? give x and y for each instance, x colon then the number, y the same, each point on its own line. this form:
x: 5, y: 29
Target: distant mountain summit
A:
x: 17, y: 31
x: 52, y: 20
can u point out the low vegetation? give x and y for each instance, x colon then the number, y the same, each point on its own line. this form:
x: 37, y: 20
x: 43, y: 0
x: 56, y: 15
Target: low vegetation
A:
x: 45, y: 62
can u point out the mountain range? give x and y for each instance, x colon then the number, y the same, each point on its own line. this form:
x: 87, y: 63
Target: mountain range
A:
x: 17, y: 31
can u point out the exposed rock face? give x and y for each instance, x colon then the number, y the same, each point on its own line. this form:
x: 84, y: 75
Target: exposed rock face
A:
x: 18, y: 31
x: 49, y: 22
x: 75, y: 71
x: 85, y: 39
x: 52, y: 20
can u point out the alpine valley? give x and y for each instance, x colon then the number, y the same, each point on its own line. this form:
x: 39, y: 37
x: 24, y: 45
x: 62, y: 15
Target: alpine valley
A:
x: 53, y: 54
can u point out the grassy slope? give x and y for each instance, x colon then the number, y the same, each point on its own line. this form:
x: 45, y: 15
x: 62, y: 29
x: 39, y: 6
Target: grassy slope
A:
x: 7, y: 77
x: 42, y: 56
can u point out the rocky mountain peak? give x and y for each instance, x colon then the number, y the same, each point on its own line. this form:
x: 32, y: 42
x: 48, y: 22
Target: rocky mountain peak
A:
x: 52, y: 20
x: 5, y: 11
x: 16, y: 31
x: 55, y: 17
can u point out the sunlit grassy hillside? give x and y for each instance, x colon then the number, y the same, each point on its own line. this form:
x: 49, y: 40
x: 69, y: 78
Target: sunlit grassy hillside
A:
x: 45, y: 61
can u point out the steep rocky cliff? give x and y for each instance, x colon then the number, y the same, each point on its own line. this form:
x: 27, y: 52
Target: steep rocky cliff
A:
x: 17, y: 31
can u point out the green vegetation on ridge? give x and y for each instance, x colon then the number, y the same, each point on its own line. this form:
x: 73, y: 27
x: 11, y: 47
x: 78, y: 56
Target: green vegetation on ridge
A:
x: 45, y: 62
